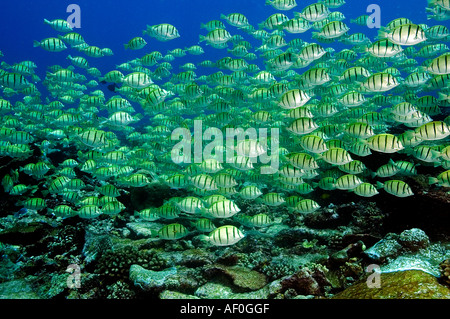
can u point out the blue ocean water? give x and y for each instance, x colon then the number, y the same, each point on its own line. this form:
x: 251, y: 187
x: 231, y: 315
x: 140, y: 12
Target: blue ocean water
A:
x: 113, y: 23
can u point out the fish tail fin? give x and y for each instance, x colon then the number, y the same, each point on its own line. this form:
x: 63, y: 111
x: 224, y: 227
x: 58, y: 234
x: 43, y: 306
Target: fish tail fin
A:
x: 154, y: 233
x: 435, y: 153
x: 36, y: 44
x: 46, y: 21
x: 268, y: 2
x: 432, y: 180
x: 222, y: 16
x: 203, y: 238
x: 391, y: 161
x: 125, y: 46
x: 382, y: 33
x: 202, y: 38
x: 379, y: 185
x: 410, y: 134
x: 34, y: 189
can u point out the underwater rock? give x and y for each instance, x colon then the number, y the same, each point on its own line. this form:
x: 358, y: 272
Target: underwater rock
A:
x: 50, y: 285
x: 17, y: 289
x: 348, y: 252
x: 144, y: 229
x: 241, y: 277
x: 213, y: 290
x: 120, y: 290
x: 414, y: 239
x: 384, y: 249
x: 262, y: 293
x: 27, y: 229
x: 149, y: 280
x: 445, y: 271
x: 170, y: 294
x: 410, y: 262
x: 409, y: 250
x: 94, y: 244
x: 189, y: 258
x: 410, y: 284
x: 179, y: 279
x: 288, y: 237
x: 306, y: 282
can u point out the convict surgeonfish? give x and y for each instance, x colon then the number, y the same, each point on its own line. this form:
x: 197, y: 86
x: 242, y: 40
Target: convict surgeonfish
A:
x: 224, y: 236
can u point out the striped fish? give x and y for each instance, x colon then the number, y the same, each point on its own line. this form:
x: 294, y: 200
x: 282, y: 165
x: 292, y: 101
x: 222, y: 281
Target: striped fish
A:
x: 432, y: 131
x: 190, y: 205
x: 443, y: 179
x: 51, y: 44
x: 336, y: 156
x: 302, y: 125
x: 14, y: 81
x: 34, y: 203
x: 222, y: 209
x: 235, y: 19
x: 204, y: 225
x: 216, y: 37
x: 173, y: 231
x: 365, y: 190
x: 93, y: 138
x: 384, y: 48
x: 293, y: 99
x: 59, y: 25
x: 284, y: 5
x: 250, y: 192
x: 89, y: 211
x: 306, y: 206
x: 136, y: 43
x: 63, y: 211
x: 405, y: 34
x: 348, y: 182
x: 384, y: 143
x: 396, y: 187
x: 162, y: 32
x: 203, y: 181
x: 272, y: 199
x: 224, y: 236
x: 260, y: 220
x: 314, y: 12
x: 137, y: 80
x: 380, y: 82
x: 148, y: 214
x: 302, y: 161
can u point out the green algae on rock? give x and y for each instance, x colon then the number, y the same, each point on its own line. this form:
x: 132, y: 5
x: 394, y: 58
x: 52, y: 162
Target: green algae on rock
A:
x: 409, y: 284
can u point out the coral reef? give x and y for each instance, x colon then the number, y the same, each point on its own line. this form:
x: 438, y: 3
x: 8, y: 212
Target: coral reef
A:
x: 409, y: 284
x: 320, y: 255
x: 445, y: 271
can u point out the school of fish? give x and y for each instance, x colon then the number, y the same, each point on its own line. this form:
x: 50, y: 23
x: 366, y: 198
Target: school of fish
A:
x: 332, y: 109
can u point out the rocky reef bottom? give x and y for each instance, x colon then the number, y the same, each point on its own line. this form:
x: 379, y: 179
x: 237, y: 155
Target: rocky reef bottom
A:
x: 364, y: 250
